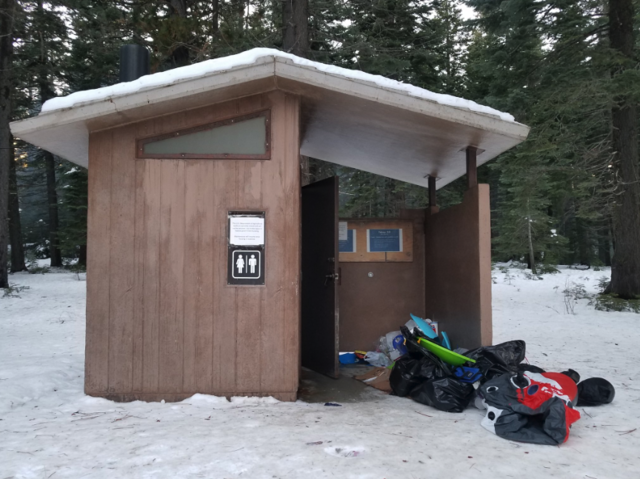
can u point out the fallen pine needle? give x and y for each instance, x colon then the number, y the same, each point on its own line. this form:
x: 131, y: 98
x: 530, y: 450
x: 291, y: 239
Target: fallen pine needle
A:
x: 423, y: 414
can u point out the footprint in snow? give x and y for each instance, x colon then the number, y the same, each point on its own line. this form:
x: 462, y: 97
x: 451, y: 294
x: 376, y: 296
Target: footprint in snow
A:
x: 345, y: 451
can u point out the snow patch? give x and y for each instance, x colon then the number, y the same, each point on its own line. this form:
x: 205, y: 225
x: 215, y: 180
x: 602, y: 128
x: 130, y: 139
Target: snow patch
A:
x: 91, y: 401
x: 207, y: 400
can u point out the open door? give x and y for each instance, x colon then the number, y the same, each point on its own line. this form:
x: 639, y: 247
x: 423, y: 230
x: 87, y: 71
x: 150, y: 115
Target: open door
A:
x: 319, y: 346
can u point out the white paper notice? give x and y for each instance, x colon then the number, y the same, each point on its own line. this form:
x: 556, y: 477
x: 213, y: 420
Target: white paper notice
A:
x: 343, y: 235
x: 246, y: 231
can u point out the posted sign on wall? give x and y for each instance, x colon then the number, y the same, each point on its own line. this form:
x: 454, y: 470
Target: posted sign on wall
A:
x: 384, y: 240
x: 246, y: 230
x: 246, y: 262
x: 376, y: 240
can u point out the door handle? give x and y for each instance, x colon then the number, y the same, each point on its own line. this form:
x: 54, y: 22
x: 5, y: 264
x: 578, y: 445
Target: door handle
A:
x: 331, y: 276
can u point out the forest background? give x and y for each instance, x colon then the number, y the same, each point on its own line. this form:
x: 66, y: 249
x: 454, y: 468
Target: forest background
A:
x: 570, y: 194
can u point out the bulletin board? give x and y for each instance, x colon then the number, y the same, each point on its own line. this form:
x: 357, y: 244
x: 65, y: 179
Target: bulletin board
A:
x: 376, y: 240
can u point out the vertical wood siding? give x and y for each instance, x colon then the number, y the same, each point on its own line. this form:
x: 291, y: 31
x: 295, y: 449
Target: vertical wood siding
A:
x: 458, y: 269
x: 161, y: 321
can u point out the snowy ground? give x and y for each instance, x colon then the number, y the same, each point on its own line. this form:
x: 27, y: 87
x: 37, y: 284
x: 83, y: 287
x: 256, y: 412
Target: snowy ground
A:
x: 49, y: 428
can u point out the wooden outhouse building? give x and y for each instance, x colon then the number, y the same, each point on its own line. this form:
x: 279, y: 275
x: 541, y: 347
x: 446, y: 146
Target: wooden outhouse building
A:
x: 211, y: 270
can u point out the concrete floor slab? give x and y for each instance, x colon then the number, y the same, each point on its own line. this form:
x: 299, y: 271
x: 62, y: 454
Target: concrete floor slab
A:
x: 318, y: 388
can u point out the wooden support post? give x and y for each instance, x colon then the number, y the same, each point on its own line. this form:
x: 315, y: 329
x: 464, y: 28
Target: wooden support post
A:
x: 432, y: 191
x: 472, y: 167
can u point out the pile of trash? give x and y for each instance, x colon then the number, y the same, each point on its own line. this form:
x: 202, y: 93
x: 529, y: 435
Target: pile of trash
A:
x: 523, y: 402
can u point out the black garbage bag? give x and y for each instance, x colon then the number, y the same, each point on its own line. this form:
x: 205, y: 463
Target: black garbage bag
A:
x: 434, y: 368
x: 446, y: 394
x: 411, y: 343
x: 414, y: 368
x: 595, y: 391
x: 413, y: 348
x: 499, y: 359
x: 405, y: 375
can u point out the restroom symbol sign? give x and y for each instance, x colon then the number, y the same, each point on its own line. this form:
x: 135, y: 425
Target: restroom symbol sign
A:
x: 246, y: 264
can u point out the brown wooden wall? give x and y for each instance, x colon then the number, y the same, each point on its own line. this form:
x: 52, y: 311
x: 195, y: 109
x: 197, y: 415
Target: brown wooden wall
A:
x: 373, y: 307
x: 458, y: 269
x: 161, y: 321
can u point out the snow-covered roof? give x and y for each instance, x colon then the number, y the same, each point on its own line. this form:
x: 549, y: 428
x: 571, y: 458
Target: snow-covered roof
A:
x: 250, y: 57
x: 423, y: 135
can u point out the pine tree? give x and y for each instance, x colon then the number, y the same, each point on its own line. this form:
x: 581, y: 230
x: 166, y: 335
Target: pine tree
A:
x: 73, y: 236
x: 295, y: 35
x: 15, y: 227
x: 97, y: 30
x: 7, y: 14
x: 43, y: 49
x: 32, y: 191
x: 625, y: 273
x: 452, y: 38
x: 544, y: 62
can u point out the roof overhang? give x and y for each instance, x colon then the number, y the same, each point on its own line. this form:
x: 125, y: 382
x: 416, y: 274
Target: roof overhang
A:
x: 345, y: 120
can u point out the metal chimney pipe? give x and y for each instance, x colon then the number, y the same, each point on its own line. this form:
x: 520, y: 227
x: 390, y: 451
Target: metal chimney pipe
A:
x: 134, y: 62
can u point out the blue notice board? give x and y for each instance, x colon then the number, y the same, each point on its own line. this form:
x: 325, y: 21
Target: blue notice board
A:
x: 384, y: 241
x: 348, y: 245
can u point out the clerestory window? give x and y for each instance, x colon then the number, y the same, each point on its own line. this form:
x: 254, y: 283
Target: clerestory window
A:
x: 246, y: 137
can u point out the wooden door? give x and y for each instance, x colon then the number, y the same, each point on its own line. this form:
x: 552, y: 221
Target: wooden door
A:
x: 320, y: 277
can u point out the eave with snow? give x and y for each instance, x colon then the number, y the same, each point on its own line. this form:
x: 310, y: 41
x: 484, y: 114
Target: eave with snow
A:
x: 348, y: 117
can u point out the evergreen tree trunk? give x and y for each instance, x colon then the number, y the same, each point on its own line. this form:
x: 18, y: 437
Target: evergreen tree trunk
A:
x: 611, y: 243
x: 82, y: 255
x: 180, y: 54
x: 215, y: 16
x: 52, y: 199
x: 625, y: 271
x: 532, y: 255
x: 583, y: 243
x: 399, y: 198
x: 15, y: 229
x: 46, y: 93
x: 295, y: 38
x: 7, y: 14
x: 604, y: 248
